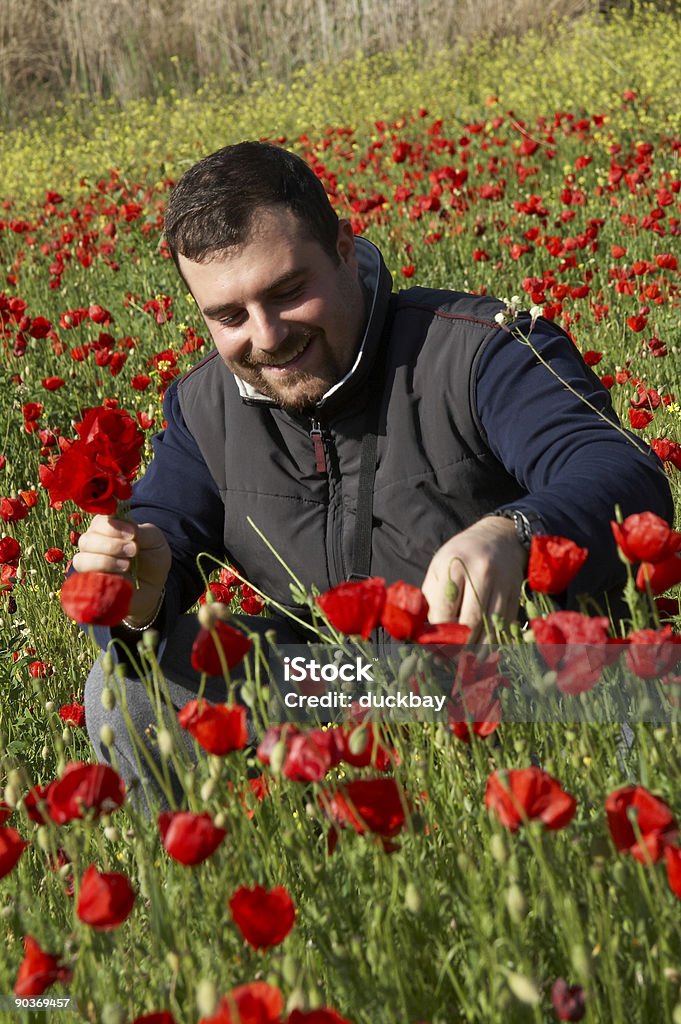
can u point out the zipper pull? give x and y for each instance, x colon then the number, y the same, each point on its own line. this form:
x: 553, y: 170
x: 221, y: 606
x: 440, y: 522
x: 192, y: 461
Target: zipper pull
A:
x: 318, y: 444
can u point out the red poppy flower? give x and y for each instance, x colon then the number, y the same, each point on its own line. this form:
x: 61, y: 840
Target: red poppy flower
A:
x: 444, y: 635
x: 272, y: 737
x: 363, y: 747
x: 654, y: 820
x: 35, y: 804
x: 54, y: 555
x: 92, y: 789
x: 323, y: 1015
x: 554, y: 563
x: 254, y: 1003
x: 637, y: 323
x: 309, y: 755
x: 11, y: 848
x: 73, y: 714
x: 576, y: 647
x: 645, y: 537
x: 405, y: 610
x: 113, y: 435
x: 38, y: 970
x: 10, y: 551
x: 105, y: 900
x: 354, y: 608
x: 568, y: 1000
x: 672, y: 856
x: 13, y: 510
x: 52, y: 383
x: 368, y: 805
x: 474, y: 709
x: 234, y: 645
x: 96, y: 598
x: 264, y: 917
x: 659, y: 576
x: 79, y: 476
x: 189, y: 838
x: 160, y: 1017
x: 218, y: 728
x: 640, y: 418
x: 652, y: 653
x: 523, y: 793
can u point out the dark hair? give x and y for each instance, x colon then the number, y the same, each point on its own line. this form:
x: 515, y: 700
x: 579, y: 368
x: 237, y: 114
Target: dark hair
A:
x: 212, y: 207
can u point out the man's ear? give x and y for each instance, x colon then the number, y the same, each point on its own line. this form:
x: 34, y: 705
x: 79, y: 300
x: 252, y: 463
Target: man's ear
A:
x: 345, y: 246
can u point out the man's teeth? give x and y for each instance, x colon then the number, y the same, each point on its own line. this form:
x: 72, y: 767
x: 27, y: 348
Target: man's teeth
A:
x: 301, y: 348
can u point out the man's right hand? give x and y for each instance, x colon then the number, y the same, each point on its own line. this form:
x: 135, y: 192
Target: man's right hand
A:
x: 110, y: 545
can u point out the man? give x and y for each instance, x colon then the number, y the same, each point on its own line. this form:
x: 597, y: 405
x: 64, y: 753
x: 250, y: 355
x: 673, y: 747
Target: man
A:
x: 408, y: 437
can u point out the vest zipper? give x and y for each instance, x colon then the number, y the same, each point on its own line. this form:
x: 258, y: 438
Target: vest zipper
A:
x: 317, y: 439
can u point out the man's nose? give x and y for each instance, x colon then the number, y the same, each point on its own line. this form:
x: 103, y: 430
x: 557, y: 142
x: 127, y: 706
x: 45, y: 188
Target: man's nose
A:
x: 268, y: 330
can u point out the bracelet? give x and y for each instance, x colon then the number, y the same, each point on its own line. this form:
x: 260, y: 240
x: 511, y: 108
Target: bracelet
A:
x: 152, y: 620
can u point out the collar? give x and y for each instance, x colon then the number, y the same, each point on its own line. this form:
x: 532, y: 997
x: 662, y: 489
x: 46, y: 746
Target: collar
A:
x: 377, y: 284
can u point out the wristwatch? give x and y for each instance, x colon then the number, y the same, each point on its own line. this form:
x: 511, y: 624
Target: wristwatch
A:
x: 527, y: 524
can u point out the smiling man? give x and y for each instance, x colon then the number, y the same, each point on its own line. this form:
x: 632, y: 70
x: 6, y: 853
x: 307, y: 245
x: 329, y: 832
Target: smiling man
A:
x: 285, y: 317
x: 407, y: 436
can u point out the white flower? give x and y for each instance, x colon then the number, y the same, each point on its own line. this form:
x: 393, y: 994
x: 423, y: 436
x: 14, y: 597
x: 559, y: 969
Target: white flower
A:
x: 500, y: 317
x: 535, y: 312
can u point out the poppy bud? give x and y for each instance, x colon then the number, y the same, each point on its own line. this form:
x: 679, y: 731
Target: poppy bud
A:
x: 11, y: 795
x: 412, y: 899
x: 43, y: 838
x: 278, y: 756
x: 112, y: 834
x: 166, y: 743
x: 579, y: 958
x: 106, y: 735
x: 107, y: 663
x: 173, y: 961
x: 67, y: 735
x: 50, y: 705
x: 206, y: 997
x: 113, y: 1013
x: 516, y: 903
x: 108, y: 698
x: 497, y: 848
x: 207, y: 789
x: 523, y: 988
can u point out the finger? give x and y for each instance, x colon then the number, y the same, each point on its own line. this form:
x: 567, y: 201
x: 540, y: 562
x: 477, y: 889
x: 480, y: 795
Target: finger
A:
x: 444, y: 598
x: 86, y: 561
x: 150, y: 538
x: 109, y: 545
x: 471, y: 612
x: 109, y: 526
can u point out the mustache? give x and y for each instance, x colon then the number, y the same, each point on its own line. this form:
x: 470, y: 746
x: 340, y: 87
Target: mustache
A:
x: 283, y: 353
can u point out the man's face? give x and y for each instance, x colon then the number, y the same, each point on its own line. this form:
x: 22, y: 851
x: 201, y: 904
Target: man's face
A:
x: 284, y: 317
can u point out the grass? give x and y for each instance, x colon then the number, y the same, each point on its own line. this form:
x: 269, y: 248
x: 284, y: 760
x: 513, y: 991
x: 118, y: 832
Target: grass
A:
x: 466, y: 921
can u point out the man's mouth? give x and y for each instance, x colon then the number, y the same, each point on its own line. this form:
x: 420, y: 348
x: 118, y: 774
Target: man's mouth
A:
x: 292, y: 360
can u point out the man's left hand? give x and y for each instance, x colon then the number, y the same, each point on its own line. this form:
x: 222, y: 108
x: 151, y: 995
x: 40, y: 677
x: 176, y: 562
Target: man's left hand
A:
x: 479, y: 572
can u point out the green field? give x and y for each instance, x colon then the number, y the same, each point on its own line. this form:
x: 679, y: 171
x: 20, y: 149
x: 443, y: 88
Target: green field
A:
x: 548, y: 169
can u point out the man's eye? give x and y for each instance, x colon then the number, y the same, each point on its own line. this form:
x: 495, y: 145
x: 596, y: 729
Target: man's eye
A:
x: 233, y: 320
x: 291, y: 293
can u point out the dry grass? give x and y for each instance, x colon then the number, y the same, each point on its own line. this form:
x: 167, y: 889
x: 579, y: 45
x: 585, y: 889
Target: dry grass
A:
x: 53, y: 49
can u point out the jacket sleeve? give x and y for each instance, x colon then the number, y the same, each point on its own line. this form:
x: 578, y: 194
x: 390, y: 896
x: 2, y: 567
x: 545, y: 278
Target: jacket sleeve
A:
x: 574, y: 459
x: 177, y: 494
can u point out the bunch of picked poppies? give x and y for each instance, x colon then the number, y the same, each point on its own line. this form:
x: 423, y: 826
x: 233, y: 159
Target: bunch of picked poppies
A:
x: 95, y: 471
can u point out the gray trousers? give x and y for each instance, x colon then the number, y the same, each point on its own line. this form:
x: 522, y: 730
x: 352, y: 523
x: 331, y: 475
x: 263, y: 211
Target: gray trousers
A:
x: 140, y: 717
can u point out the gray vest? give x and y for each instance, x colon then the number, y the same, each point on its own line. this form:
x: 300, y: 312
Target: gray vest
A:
x: 435, y: 474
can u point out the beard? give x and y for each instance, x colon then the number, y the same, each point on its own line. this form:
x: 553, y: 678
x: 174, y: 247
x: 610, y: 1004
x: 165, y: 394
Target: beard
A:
x: 298, y: 390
